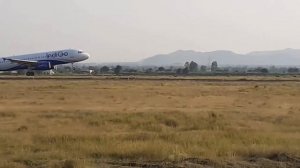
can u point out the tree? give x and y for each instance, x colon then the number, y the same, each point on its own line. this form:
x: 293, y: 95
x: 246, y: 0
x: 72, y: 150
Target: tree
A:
x: 214, y: 66
x: 187, y: 65
x: 293, y: 70
x: 118, y: 69
x: 132, y: 70
x: 178, y: 71
x: 261, y: 70
x: 193, y: 67
x: 185, y: 71
x: 149, y: 70
x: 264, y: 70
x: 161, y: 69
x: 104, y: 69
x: 203, y: 68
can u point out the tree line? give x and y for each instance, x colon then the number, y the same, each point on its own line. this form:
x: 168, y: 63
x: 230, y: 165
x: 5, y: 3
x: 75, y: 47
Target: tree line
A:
x: 187, y: 68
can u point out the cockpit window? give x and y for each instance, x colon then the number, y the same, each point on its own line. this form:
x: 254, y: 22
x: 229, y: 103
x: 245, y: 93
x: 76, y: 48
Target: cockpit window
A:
x: 80, y: 52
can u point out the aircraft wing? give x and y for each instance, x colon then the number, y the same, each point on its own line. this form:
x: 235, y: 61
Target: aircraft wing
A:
x: 22, y: 62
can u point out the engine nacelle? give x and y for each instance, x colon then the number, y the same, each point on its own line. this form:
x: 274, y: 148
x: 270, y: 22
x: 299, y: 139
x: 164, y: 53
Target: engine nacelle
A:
x: 43, y: 65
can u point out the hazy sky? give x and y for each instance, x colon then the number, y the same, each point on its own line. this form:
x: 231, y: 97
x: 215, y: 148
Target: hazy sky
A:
x: 130, y: 30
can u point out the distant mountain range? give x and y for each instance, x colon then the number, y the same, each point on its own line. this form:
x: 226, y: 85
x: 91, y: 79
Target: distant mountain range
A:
x: 223, y: 57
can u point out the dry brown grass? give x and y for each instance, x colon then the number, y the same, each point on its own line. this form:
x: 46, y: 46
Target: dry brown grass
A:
x: 75, y: 123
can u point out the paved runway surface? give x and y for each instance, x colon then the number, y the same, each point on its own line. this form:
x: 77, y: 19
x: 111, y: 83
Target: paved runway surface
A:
x: 181, y: 78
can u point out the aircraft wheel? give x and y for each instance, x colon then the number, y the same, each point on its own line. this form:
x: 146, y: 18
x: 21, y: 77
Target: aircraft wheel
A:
x: 29, y: 73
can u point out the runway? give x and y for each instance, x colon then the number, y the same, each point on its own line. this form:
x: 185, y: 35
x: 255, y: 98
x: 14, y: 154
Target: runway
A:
x: 163, y: 78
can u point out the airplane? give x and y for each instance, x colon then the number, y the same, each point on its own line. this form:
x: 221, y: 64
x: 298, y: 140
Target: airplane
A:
x: 42, y: 61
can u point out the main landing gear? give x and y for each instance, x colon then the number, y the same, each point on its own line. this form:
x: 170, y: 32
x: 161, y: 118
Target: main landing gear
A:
x: 29, y: 73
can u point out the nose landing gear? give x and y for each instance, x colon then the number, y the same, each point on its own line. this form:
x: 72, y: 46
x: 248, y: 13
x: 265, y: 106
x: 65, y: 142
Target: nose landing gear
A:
x: 73, y: 68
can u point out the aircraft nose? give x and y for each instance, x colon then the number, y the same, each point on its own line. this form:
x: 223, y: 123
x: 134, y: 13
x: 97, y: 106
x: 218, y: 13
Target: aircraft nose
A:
x: 87, y: 56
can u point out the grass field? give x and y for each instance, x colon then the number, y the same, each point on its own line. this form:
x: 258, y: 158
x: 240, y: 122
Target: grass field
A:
x: 78, y: 123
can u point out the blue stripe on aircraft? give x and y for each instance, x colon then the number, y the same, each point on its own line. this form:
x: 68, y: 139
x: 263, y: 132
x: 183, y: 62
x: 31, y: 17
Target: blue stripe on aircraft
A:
x: 53, y: 63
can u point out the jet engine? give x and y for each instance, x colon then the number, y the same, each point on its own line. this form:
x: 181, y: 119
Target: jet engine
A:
x: 44, y: 65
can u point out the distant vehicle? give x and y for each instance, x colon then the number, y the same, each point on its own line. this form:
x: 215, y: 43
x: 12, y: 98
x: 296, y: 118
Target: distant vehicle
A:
x: 42, y: 61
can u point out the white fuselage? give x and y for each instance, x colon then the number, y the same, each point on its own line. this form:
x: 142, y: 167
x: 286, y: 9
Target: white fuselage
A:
x: 52, y: 57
